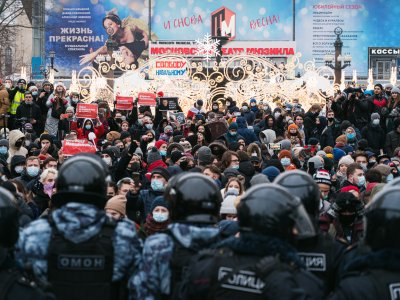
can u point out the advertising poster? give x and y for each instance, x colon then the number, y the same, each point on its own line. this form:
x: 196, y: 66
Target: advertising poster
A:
x: 237, y: 19
x: 364, y: 24
x: 77, y: 30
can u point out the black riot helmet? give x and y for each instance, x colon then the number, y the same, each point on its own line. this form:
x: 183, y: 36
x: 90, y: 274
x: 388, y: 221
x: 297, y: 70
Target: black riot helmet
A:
x: 9, y: 226
x: 382, y: 220
x: 269, y: 209
x: 193, y: 198
x: 303, y: 186
x: 82, y: 178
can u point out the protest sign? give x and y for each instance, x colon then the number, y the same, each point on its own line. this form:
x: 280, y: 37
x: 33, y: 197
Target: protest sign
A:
x: 86, y: 111
x: 180, y: 116
x: 168, y: 103
x: 147, y: 99
x: 124, y: 103
x: 72, y: 147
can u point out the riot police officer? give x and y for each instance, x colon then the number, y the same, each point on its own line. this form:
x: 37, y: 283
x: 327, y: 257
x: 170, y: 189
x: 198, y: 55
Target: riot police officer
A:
x: 376, y: 274
x: 194, y: 201
x: 13, y: 284
x: 260, y: 263
x: 320, y: 253
x: 81, y: 251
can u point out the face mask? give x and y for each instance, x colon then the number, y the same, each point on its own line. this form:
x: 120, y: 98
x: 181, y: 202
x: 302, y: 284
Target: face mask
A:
x: 325, y: 198
x: 88, y: 127
x: 375, y: 122
x: 3, y: 150
x: 8, y: 85
x: 253, y: 104
x: 75, y: 100
x: 372, y: 162
x: 245, y: 108
x: 228, y: 104
x: 149, y: 126
x: 277, y: 114
x: 140, y: 122
x: 236, y: 167
x: 350, y: 136
x: 232, y: 191
x: 18, y: 144
x: 160, y: 217
x: 215, y: 107
x: 285, y: 161
x: 107, y: 160
x: 389, y: 178
x: 32, y: 171
x: 35, y: 93
x: 347, y: 219
x: 163, y: 152
x: 157, y: 185
x: 28, y: 102
x: 19, y: 169
x: 48, y: 188
x: 364, y: 166
x: 361, y: 181
x: 135, y: 166
x: 331, y: 119
x: 233, y: 133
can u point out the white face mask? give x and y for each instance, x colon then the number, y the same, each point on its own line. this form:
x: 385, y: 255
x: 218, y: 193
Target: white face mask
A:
x: 19, y: 169
x: 376, y: 121
x: 107, y: 160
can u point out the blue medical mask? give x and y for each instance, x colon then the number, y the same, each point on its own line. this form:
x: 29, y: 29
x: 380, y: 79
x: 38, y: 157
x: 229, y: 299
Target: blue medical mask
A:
x: 160, y: 217
x: 149, y: 126
x: 88, y: 127
x: 163, y: 152
x: 3, y: 150
x: 233, y: 133
x: 351, y: 136
x: 361, y: 181
x: 35, y: 93
x: 236, y: 167
x: 389, y: 178
x: 285, y: 161
x: 32, y: 171
x: 157, y: 185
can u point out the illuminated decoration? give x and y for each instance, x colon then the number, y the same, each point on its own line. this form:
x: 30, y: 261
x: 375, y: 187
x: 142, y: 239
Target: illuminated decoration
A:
x: 207, y: 47
x: 343, y: 81
x: 370, y: 80
x: 393, y: 75
x: 23, y: 74
x: 355, y: 76
x: 74, y: 87
x: 51, y: 76
x: 242, y: 77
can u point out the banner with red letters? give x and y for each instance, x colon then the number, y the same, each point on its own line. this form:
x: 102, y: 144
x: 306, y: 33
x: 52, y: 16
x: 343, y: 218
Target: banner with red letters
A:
x: 124, y: 103
x: 73, y: 147
x: 86, y: 111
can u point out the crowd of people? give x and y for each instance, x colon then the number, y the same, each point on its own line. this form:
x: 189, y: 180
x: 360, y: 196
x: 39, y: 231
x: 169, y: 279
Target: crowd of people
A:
x: 255, y: 201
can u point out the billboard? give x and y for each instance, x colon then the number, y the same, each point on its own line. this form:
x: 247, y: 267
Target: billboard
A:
x: 236, y: 19
x: 364, y: 24
x: 77, y: 30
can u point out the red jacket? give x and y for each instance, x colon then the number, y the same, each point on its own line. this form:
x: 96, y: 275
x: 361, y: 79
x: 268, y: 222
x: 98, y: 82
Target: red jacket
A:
x: 84, y: 134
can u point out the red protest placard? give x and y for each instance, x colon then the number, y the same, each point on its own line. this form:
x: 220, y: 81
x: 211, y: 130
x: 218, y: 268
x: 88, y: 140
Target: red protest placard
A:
x: 86, y: 111
x: 72, y: 147
x: 147, y: 99
x: 124, y: 103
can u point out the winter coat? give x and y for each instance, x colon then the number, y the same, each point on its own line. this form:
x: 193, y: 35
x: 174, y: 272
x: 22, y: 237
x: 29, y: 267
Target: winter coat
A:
x: 392, y: 142
x: 375, y: 136
x: 84, y: 133
x: 246, y: 133
x: 14, y: 136
x: 4, y: 104
x: 30, y: 112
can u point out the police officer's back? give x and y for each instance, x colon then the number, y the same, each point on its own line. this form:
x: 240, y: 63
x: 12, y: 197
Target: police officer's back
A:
x: 194, y: 201
x: 376, y: 274
x: 82, y: 252
x: 260, y: 263
x: 13, y: 284
x: 320, y: 253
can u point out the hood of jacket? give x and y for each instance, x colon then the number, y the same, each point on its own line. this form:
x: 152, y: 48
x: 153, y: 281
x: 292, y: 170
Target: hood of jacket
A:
x: 193, y: 237
x: 79, y: 222
x: 267, y: 136
x: 14, y: 136
x: 241, y: 121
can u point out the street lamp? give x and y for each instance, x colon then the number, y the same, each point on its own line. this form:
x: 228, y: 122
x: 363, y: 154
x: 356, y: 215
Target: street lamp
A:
x: 45, y: 71
x: 338, y: 62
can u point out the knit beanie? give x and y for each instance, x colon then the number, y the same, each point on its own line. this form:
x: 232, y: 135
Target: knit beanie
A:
x: 168, y: 128
x: 159, y: 201
x: 153, y: 156
x: 313, y: 141
x: 293, y: 126
x: 46, y: 137
x: 159, y: 143
x: 176, y: 155
x: 113, y: 135
x: 375, y: 116
x: 322, y: 176
x: 285, y: 153
x: 348, y: 188
x: 125, y: 134
x: 271, y: 172
x: 338, y: 154
x: 318, y: 163
x: 341, y: 139
x: 228, y: 205
x: 117, y: 203
x: 233, y: 126
x: 4, y: 142
x: 161, y: 171
x: 259, y: 179
x: 286, y: 144
x: 204, y: 155
x: 383, y: 169
x: 346, y: 160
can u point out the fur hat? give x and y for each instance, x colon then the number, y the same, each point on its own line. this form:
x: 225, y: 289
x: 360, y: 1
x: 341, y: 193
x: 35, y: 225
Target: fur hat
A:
x: 117, y: 203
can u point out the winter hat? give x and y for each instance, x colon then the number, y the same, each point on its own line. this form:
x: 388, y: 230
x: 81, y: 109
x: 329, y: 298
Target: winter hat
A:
x: 341, y: 139
x: 383, y: 169
x: 159, y: 143
x: 233, y: 126
x: 346, y: 160
x: 199, y: 102
x: 322, y: 176
x: 293, y: 126
x: 125, y: 134
x: 60, y: 84
x: 313, y: 141
x: 379, y: 85
x: 362, y: 144
x: 70, y: 109
x: 338, y: 154
x: 161, y: 171
x: 228, y: 205
x: 23, y: 81
x: 396, y: 90
x: 159, y: 201
x: 176, y: 155
x: 318, y: 163
x: 47, y: 137
x: 348, y: 188
x: 175, y: 145
x: 168, y: 128
x: 253, y: 100
x: 285, y: 153
x: 17, y: 160
x: 271, y: 172
x: 153, y: 156
x: 296, y: 151
x: 113, y: 151
x: 375, y: 116
x: 204, y: 155
x: 113, y: 135
x: 117, y: 203
x: 321, y: 153
x: 286, y: 144
x: 187, y: 147
x: 259, y: 179
x: 4, y: 142
x: 231, y: 172
x: 174, y: 170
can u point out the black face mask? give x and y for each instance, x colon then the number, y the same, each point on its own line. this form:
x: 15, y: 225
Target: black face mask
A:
x: 184, y: 165
x: 18, y: 143
x: 331, y: 119
x: 347, y: 220
x: 135, y: 167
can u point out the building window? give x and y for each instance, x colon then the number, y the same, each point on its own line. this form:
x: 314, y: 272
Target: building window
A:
x: 8, y: 60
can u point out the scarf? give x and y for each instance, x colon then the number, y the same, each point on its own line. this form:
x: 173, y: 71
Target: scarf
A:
x: 152, y: 227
